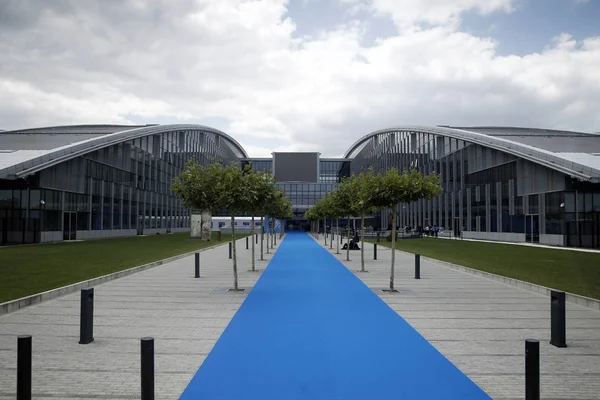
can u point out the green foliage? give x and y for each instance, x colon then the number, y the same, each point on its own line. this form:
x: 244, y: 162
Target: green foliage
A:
x: 346, y: 196
x: 263, y: 184
x: 279, y: 206
x: 393, y: 188
x: 364, y: 189
x: 199, y: 186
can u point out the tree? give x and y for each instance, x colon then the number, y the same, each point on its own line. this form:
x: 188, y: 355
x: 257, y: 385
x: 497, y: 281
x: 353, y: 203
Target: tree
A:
x: 328, y: 208
x: 198, y: 188
x: 271, y: 205
x: 346, y: 198
x: 263, y: 183
x: 237, y: 196
x: 393, y: 188
x: 337, y: 211
x: 283, y: 210
x: 364, y: 189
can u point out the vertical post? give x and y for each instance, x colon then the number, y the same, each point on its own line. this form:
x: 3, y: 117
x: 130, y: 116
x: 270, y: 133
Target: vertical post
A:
x: 374, y: 251
x: 230, y: 243
x: 147, y: 346
x: 24, y: 367
x: 86, y: 318
x: 532, y: 369
x: 218, y: 236
x: 246, y: 242
x: 558, y: 334
x: 197, y: 265
x: 417, y: 266
x: 257, y: 238
x: 378, y: 236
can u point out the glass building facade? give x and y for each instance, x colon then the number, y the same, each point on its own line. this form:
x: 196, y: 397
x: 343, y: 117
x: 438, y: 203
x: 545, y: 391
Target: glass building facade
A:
x: 488, y: 193
x: 120, y: 189
x: 507, y: 184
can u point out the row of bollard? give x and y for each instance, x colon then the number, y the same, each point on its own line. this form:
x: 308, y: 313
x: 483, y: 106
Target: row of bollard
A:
x: 24, y: 370
x: 86, y: 336
x: 558, y: 317
x: 417, y: 261
x: 532, y: 346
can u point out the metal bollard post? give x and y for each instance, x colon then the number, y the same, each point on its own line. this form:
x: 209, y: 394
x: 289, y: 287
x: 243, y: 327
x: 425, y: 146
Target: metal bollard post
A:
x: 230, y: 247
x: 417, y: 266
x: 558, y: 334
x: 219, y: 236
x: 24, y: 367
x: 246, y: 242
x: 256, y: 238
x: 86, y: 318
x: 532, y: 369
x: 374, y: 251
x: 147, y: 345
x: 197, y: 265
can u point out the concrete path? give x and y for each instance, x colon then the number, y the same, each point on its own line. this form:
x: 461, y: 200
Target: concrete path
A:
x: 186, y: 316
x: 481, y: 326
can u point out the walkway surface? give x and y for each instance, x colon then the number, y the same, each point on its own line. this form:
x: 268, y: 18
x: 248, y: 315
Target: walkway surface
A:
x: 311, y: 330
x: 478, y: 324
x: 481, y: 326
x: 186, y: 316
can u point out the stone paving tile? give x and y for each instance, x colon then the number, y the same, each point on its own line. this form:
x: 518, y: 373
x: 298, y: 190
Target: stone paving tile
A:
x: 185, y: 316
x: 481, y: 326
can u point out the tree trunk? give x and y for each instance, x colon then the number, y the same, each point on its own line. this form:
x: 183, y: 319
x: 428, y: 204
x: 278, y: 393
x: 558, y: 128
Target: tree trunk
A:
x: 393, y: 248
x: 325, y: 230
x: 262, y: 237
x: 253, y: 251
x: 337, y: 229
x: 332, y: 237
x: 235, y: 274
x: 362, y: 242
x: 348, y: 240
x: 268, y: 237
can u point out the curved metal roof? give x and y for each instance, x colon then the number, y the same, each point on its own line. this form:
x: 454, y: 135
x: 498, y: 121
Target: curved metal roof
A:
x: 25, y: 162
x: 564, y: 162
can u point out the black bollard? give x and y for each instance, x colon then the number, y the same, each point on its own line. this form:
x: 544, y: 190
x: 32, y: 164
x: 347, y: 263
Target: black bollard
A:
x: 417, y: 266
x: 86, y: 319
x: 532, y: 369
x: 558, y: 334
x: 24, y: 367
x: 197, y: 265
x: 147, y: 345
x: 257, y: 238
x: 246, y: 242
x: 374, y: 251
x: 230, y: 247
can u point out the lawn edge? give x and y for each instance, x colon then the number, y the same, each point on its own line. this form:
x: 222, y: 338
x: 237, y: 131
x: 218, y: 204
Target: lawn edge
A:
x: 578, y: 299
x: 17, y: 304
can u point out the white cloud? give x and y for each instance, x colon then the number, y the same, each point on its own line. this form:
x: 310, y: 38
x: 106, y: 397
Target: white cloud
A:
x: 63, y: 62
x: 409, y: 13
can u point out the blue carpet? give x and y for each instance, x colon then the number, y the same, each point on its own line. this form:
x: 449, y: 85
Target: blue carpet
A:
x: 310, y: 329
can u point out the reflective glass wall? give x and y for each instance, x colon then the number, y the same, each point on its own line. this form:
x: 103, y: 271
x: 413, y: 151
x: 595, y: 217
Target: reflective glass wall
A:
x: 485, y: 190
x: 123, y: 186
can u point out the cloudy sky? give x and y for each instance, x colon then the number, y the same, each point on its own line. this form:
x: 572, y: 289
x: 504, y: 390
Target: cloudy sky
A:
x: 301, y: 74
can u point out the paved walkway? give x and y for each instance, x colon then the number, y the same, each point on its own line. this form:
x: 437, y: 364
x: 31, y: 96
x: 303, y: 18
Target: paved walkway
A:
x: 186, y: 316
x: 478, y: 324
x: 311, y: 330
x: 481, y: 326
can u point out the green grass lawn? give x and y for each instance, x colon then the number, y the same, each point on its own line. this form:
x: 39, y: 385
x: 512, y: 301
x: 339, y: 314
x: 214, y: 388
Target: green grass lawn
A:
x: 571, y: 271
x: 26, y: 270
